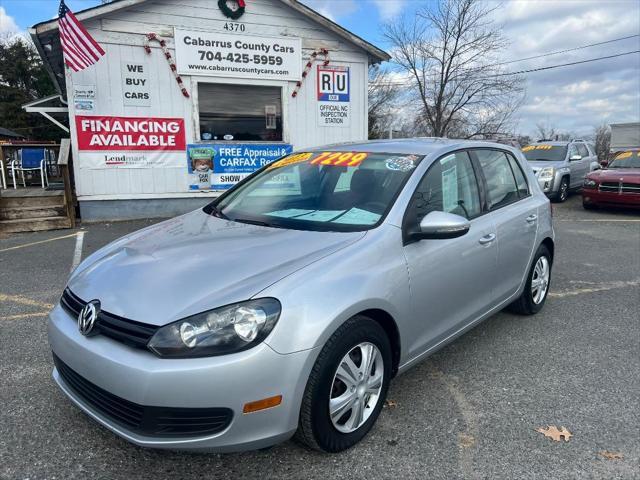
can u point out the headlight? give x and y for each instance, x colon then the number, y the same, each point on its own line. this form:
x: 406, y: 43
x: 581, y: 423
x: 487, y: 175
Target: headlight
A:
x: 217, y: 332
x: 590, y: 183
x: 546, y: 173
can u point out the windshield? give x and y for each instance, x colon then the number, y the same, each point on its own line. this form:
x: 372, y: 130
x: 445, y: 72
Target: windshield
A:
x: 329, y: 191
x: 629, y: 159
x: 545, y: 153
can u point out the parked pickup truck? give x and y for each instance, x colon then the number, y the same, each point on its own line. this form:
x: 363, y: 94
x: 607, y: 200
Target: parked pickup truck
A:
x: 561, y: 166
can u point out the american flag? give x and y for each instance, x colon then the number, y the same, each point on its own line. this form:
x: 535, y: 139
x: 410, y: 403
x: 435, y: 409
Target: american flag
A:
x: 79, y: 48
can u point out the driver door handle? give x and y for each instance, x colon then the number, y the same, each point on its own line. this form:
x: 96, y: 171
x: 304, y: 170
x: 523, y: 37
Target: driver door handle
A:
x: 487, y: 239
x: 532, y: 218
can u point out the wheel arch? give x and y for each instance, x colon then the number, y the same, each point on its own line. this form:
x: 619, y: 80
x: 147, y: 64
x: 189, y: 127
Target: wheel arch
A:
x: 550, y: 244
x: 389, y: 325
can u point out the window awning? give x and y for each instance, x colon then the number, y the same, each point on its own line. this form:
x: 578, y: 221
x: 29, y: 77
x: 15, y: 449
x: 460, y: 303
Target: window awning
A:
x: 48, y: 105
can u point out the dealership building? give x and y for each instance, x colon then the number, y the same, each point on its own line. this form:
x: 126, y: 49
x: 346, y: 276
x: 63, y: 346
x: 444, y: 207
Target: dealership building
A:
x: 193, y: 95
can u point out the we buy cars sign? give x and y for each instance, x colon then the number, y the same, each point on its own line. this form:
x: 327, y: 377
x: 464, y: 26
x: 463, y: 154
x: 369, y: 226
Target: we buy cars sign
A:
x: 105, y: 141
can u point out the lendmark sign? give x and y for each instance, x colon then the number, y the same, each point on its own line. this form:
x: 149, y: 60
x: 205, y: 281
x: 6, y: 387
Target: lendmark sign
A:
x: 103, y: 141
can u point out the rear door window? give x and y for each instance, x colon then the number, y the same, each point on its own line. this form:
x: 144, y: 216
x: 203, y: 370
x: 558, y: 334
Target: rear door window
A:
x: 521, y: 180
x: 582, y: 150
x: 501, y: 184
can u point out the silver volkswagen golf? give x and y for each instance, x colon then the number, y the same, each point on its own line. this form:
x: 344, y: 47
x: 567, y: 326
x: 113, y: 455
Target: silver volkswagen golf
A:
x: 285, y: 307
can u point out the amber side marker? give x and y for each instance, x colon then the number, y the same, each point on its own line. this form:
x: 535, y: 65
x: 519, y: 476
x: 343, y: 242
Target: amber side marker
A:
x: 262, y: 404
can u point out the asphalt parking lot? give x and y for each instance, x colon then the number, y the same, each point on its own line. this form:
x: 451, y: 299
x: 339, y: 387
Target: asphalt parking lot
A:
x: 469, y: 412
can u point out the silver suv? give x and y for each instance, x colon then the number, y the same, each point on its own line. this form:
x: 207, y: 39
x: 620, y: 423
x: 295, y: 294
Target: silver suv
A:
x: 561, y: 166
x: 287, y: 305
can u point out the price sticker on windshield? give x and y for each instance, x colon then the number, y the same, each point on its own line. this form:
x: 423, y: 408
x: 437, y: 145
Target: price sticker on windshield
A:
x: 291, y: 160
x: 624, y: 155
x: 528, y: 148
x: 340, y: 159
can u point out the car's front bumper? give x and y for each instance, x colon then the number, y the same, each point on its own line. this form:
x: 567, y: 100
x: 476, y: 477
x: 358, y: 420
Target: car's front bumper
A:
x: 592, y: 196
x: 228, y: 381
x: 546, y: 185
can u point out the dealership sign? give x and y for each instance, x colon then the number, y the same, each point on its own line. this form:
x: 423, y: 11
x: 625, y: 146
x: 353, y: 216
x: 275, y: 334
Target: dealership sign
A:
x: 220, y: 166
x: 241, y: 56
x: 135, y: 85
x: 105, y: 141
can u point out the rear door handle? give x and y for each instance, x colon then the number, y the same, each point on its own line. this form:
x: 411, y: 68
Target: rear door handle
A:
x: 487, y: 239
x: 532, y: 218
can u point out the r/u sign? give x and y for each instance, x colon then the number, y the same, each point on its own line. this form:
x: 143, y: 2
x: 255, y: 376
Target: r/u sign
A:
x: 333, y: 84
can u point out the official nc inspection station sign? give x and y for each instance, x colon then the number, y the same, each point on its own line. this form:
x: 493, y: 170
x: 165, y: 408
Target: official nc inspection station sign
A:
x: 220, y: 166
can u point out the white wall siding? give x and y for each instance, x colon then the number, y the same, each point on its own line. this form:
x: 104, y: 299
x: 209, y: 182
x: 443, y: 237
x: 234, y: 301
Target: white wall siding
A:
x: 121, y: 34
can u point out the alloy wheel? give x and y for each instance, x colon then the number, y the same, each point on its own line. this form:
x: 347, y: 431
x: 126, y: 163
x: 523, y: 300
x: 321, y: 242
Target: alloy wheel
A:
x: 564, y: 190
x: 356, y: 387
x: 540, y: 280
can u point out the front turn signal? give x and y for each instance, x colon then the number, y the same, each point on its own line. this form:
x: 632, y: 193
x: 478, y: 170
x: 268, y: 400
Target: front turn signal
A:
x: 262, y: 404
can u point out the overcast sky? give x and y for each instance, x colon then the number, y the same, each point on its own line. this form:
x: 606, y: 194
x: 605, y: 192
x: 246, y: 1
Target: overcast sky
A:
x: 573, y: 98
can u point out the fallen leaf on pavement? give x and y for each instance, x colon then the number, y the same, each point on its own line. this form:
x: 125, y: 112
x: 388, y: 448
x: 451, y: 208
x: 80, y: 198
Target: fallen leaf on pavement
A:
x: 552, y: 432
x: 466, y: 441
x: 611, y: 455
x: 390, y: 404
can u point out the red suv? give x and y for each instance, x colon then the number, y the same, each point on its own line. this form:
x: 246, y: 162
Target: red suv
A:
x: 616, y: 185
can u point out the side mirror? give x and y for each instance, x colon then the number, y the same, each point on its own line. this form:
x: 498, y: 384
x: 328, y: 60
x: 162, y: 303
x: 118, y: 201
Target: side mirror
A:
x: 575, y: 158
x: 440, y: 225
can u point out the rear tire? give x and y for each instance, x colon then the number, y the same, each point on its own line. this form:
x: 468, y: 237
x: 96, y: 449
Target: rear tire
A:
x: 317, y: 429
x: 563, y: 191
x: 532, y: 299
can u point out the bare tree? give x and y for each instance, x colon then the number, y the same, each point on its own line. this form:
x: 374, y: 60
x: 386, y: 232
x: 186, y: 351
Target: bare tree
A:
x: 545, y: 131
x: 602, y: 136
x: 383, y: 98
x: 450, y: 53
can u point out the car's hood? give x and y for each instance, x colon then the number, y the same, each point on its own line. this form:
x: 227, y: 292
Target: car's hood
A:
x: 538, y: 165
x: 194, y: 263
x: 626, y: 175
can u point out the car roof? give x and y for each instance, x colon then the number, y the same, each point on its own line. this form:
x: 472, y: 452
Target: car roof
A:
x: 417, y: 146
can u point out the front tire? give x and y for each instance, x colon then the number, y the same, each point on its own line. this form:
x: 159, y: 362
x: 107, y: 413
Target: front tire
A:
x: 347, y: 387
x: 563, y: 191
x: 536, y: 288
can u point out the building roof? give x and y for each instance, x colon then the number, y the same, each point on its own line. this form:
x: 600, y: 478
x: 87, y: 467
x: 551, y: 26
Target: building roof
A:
x: 4, y: 132
x: 46, y: 33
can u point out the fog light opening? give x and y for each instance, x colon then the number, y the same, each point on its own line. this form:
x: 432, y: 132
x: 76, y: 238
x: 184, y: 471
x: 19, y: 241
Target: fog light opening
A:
x: 262, y: 404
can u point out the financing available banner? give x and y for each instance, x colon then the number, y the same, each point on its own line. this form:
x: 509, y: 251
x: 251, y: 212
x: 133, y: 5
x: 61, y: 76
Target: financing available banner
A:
x: 220, y: 166
x: 134, y: 142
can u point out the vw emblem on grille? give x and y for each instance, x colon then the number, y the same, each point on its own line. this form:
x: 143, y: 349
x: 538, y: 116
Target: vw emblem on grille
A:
x: 87, y: 317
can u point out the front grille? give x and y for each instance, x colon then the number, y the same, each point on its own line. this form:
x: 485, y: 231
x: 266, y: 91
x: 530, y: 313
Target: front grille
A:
x: 609, y: 187
x: 619, y: 187
x: 146, y: 420
x: 129, y: 332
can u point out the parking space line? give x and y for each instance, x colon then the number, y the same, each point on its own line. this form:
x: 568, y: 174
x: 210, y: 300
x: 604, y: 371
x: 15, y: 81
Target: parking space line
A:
x: 24, y: 315
x: 39, y: 242
x: 24, y: 301
x: 596, y: 288
x: 622, y: 220
x: 466, y: 440
x: 77, y: 252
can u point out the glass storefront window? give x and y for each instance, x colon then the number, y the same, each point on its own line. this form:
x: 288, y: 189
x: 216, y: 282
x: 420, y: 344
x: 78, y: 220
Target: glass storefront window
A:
x: 240, y: 112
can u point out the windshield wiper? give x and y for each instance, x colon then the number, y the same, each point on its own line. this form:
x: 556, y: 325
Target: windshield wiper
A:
x: 253, y: 222
x: 216, y: 212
